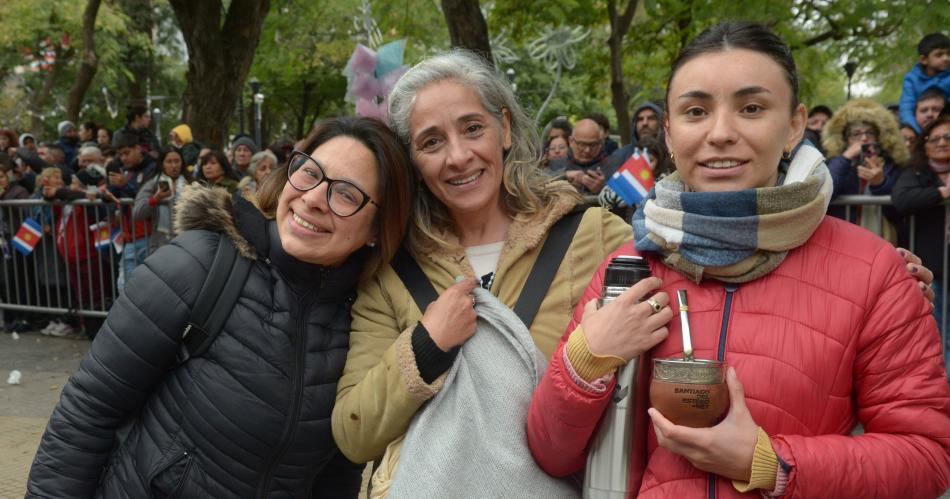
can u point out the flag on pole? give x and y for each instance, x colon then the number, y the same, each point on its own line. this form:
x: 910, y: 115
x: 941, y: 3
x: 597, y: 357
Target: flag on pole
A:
x: 118, y: 240
x: 634, y: 179
x: 28, y: 236
x: 101, y: 235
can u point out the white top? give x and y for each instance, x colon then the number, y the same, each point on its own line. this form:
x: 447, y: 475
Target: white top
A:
x: 484, y: 258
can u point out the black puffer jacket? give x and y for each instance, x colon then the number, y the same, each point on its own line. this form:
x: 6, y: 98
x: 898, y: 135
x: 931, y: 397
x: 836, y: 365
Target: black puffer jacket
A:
x: 249, y: 418
x: 916, y: 193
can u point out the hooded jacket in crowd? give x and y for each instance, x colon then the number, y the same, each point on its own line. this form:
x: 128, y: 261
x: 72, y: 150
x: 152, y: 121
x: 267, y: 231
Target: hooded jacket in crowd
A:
x: 620, y: 156
x: 844, y: 171
x: 69, y: 145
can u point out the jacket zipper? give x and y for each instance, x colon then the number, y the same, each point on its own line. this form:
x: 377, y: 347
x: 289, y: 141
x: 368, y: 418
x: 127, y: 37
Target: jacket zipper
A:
x: 721, y: 355
x: 296, y: 394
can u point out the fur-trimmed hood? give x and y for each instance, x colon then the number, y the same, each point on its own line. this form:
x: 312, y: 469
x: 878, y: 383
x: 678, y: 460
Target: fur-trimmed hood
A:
x: 210, y: 208
x: 868, y: 111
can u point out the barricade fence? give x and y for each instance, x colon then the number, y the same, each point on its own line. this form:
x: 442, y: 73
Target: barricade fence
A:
x: 85, y: 249
x: 68, y: 258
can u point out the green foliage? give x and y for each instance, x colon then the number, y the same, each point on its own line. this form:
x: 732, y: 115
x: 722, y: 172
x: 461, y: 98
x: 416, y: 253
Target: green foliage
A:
x: 28, y: 22
x: 305, y: 45
x: 881, y: 35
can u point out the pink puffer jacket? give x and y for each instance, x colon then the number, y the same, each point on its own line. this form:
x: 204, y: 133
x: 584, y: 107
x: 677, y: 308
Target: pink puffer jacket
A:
x: 838, y: 334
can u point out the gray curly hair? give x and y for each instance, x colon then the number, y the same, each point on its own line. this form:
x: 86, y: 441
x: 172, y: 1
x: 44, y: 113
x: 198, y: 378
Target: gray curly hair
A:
x: 526, y: 190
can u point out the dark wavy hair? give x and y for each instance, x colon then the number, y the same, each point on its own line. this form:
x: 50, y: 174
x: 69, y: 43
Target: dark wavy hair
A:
x: 396, y: 178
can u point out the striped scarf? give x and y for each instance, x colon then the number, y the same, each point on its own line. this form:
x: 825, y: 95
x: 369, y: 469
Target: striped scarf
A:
x: 734, y: 236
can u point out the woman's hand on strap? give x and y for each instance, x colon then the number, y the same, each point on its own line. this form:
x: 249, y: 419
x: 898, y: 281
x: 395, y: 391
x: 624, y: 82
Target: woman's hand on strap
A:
x: 917, y: 270
x: 450, y: 319
x: 725, y: 449
x: 628, y: 326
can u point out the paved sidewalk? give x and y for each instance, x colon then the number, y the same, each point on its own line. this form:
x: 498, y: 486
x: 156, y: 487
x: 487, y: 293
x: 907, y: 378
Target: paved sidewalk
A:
x: 45, y: 363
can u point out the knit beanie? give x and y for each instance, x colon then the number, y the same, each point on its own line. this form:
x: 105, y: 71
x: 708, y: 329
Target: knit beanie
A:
x: 244, y: 141
x: 63, y: 126
x: 184, y: 133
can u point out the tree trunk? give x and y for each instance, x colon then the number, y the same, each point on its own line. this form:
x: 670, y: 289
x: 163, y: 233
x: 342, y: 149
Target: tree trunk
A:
x: 39, y: 98
x: 304, y: 109
x: 619, y: 26
x: 90, y: 62
x: 138, y: 59
x: 219, y: 58
x: 467, y: 26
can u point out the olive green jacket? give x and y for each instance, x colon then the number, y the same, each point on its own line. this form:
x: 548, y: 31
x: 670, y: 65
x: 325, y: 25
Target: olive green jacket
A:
x: 381, y: 388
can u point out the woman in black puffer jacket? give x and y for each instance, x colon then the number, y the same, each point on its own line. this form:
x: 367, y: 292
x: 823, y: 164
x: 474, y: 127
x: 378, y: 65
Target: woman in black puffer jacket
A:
x: 251, y: 416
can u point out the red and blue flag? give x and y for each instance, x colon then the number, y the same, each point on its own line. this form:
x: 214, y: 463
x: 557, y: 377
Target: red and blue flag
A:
x: 28, y: 236
x: 634, y: 179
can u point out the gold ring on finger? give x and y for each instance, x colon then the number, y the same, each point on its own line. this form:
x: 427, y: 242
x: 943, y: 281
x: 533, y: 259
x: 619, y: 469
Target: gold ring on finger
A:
x: 655, y: 305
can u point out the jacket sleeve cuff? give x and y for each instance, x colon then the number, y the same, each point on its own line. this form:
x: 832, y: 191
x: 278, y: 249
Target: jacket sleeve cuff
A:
x: 417, y: 388
x: 430, y: 359
x: 587, y: 365
x: 764, y: 466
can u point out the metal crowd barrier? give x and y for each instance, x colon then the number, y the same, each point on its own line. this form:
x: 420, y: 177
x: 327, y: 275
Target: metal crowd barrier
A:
x: 81, y: 279
x: 75, y: 267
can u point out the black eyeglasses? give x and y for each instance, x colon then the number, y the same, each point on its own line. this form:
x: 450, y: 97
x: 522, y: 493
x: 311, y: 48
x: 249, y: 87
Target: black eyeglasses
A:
x: 933, y: 139
x: 343, y: 197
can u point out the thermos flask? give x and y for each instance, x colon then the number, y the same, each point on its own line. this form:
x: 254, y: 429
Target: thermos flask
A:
x: 608, y: 460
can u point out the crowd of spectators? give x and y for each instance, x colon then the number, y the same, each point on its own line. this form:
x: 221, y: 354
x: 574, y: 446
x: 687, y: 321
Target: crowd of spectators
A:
x: 871, y: 148
x: 70, y: 266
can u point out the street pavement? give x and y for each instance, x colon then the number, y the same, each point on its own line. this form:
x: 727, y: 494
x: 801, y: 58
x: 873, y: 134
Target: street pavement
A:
x: 45, y: 364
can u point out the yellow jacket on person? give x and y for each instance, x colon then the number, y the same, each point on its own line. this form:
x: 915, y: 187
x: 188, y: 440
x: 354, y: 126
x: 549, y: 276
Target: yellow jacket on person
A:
x: 381, y: 388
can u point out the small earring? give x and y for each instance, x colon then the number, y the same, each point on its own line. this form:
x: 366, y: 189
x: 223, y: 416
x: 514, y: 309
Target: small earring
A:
x: 371, y: 244
x: 786, y: 155
x: 672, y: 157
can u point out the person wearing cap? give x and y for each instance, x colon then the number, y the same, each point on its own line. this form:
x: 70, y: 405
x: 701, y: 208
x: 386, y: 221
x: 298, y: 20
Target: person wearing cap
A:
x: 183, y: 141
x: 242, y: 149
x: 68, y: 140
x: 28, y: 141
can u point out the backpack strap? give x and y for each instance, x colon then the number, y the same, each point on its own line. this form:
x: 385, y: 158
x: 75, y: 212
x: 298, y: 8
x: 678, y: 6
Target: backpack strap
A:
x: 216, y: 300
x: 415, y: 280
x: 535, y: 287
x: 549, y: 259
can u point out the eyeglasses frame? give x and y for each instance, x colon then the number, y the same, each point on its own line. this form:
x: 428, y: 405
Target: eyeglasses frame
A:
x: 329, y: 181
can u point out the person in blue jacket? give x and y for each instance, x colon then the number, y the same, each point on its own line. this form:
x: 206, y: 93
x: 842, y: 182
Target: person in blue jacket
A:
x: 932, y: 71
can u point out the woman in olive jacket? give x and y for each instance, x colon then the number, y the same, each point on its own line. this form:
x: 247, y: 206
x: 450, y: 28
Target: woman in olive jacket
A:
x: 251, y: 416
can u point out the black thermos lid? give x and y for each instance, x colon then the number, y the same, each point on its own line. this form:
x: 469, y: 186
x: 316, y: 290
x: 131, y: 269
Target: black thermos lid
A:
x: 624, y: 271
